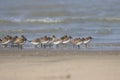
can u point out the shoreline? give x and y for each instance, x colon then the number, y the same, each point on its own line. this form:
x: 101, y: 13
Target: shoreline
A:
x: 54, y: 52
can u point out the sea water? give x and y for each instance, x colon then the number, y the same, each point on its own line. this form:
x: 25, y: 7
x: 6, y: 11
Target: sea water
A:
x: 78, y: 18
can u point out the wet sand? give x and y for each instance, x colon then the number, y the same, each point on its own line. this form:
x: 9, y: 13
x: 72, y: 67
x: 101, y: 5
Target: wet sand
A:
x: 50, y: 64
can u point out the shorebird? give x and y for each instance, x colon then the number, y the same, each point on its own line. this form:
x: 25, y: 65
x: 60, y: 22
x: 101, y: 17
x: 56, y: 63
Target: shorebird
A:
x: 86, y: 41
x: 35, y: 42
x: 20, y: 41
x: 12, y: 40
x: 44, y: 41
x: 62, y: 40
x: 66, y: 39
x: 77, y: 42
x: 63, y: 37
x: 51, y: 40
x: 57, y: 42
x: 6, y: 40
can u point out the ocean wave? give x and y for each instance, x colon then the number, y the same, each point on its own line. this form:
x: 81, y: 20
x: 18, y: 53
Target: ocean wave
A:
x: 48, y: 20
x: 45, y: 20
x: 18, y: 31
x: 32, y: 20
x: 96, y: 19
x: 108, y: 19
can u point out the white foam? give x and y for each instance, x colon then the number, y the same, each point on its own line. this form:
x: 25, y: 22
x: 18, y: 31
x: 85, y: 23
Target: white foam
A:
x: 57, y: 20
x: 32, y: 20
x: 42, y: 20
x: 45, y: 20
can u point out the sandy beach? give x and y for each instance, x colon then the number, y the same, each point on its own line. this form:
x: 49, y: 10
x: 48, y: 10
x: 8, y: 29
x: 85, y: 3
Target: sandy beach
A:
x: 59, y: 39
x: 50, y: 64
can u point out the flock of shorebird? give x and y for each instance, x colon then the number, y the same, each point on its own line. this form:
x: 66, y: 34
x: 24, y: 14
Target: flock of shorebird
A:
x: 44, y: 42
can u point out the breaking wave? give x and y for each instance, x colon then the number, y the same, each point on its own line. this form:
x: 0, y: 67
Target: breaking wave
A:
x: 58, y: 20
x: 18, y: 31
x: 32, y: 20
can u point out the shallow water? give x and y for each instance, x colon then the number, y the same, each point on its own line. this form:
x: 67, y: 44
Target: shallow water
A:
x: 78, y: 18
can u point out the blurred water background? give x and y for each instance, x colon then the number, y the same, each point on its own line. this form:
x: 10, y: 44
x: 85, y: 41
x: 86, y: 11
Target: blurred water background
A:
x: 78, y: 18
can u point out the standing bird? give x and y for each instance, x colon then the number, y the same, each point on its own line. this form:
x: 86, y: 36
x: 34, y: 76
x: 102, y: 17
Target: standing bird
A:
x: 6, y: 40
x: 44, y: 41
x: 20, y: 41
x: 86, y: 41
x: 58, y: 41
x: 51, y: 40
x: 66, y: 40
x: 77, y: 42
x: 35, y: 42
x: 12, y: 41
